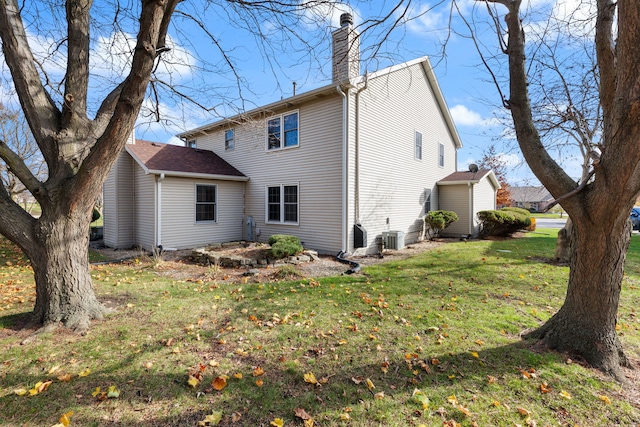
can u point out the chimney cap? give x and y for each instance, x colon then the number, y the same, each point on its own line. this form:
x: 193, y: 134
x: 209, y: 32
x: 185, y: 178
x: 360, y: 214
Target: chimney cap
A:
x: 346, y: 19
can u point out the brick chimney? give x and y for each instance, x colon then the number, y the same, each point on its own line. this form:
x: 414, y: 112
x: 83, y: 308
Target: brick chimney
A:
x: 346, y: 51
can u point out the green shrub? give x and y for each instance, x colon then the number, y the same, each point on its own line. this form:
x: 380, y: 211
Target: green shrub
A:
x: 522, y: 211
x: 503, y: 222
x: 283, y: 246
x: 436, y: 221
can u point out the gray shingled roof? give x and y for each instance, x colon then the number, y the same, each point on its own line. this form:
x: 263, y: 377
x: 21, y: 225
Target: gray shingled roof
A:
x: 530, y: 194
x: 176, y: 160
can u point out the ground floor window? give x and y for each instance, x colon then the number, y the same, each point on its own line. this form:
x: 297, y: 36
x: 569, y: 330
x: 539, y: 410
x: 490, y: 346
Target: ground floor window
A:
x: 282, y: 204
x: 206, y: 203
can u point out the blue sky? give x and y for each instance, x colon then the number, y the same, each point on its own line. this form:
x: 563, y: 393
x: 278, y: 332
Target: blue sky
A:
x: 262, y: 73
x: 463, y: 82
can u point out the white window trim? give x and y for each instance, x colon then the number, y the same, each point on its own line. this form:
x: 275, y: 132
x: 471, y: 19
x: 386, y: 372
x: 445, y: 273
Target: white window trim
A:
x: 415, y: 145
x: 195, y: 204
x: 266, y: 204
x: 441, y: 159
x: 281, y: 117
x: 233, y: 139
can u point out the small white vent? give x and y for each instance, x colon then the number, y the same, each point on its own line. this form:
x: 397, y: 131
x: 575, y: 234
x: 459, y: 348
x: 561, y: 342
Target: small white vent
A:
x: 393, y: 239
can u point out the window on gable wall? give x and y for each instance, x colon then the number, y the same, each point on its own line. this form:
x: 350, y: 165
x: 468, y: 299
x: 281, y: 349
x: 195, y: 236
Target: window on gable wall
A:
x: 427, y: 200
x: 441, y: 155
x: 282, y: 204
x: 418, y: 145
x: 206, y: 203
x: 282, y: 131
x: 229, y: 139
x: 190, y: 143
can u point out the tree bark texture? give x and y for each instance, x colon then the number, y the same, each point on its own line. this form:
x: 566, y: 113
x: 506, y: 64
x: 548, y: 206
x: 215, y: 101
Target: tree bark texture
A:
x: 79, y: 152
x: 64, y: 291
x: 586, y: 323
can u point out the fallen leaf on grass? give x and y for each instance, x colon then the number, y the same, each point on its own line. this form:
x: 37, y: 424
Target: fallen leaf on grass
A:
x: 370, y: 384
x: 219, y: 383
x: 193, y: 381
x: 65, y: 378
x: 379, y: 395
x: 258, y: 371
x: 212, y: 419
x: 452, y: 399
x: 20, y: 391
x: 65, y: 419
x: 421, y: 398
x: 277, y: 422
x: 310, y: 378
x: 523, y: 412
x: 84, y: 373
x: 113, y: 392
x: 259, y: 383
x: 39, y: 387
x: 302, y: 414
x: 565, y: 394
x: 605, y: 399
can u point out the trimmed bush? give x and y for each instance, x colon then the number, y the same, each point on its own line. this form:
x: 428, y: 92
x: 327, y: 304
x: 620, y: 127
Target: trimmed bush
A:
x: 436, y: 221
x: 503, y: 222
x: 283, y: 245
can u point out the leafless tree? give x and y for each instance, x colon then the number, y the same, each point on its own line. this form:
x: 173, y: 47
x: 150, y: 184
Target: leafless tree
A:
x: 15, y: 132
x: 82, y: 72
x: 600, y: 202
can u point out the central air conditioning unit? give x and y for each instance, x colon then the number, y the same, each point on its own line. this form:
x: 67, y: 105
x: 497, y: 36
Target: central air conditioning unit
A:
x: 393, y: 239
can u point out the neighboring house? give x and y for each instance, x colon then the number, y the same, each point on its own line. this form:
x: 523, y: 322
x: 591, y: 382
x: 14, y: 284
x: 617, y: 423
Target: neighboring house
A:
x: 535, y: 199
x: 467, y: 193
x: 337, y: 166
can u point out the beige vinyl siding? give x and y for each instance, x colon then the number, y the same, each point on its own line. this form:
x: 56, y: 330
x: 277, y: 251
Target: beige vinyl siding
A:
x: 456, y: 198
x: 392, y: 180
x: 179, y: 227
x: 315, y: 166
x: 484, y: 198
x: 118, y: 209
x: 145, y: 209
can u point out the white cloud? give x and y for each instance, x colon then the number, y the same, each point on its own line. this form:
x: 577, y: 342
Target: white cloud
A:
x: 424, y: 18
x: 462, y: 116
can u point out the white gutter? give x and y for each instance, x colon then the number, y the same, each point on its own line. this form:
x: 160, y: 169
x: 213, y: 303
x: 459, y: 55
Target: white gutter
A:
x: 159, y: 180
x: 345, y: 211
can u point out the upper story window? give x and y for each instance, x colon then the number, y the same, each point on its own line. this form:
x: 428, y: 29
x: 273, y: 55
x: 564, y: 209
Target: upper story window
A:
x: 229, y: 139
x: 441, y: 155
x: 191, y: 143
x: 418, y: 145
x: 206, y: 203
x: 282, y: 131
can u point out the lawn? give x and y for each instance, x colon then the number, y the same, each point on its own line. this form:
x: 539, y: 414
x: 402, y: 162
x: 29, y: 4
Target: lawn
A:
x: 432, y: 340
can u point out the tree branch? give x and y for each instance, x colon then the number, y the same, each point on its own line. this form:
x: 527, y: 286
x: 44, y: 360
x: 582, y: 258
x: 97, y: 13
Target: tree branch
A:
x: 76, y: 77
x: 16, y: 165
x: 39, y: 109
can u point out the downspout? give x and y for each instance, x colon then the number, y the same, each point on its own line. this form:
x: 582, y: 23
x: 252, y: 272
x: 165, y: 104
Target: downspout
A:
x: 345, y: 187
x: 159, y: 210
x: 357, y: 149
x: 471, y: 229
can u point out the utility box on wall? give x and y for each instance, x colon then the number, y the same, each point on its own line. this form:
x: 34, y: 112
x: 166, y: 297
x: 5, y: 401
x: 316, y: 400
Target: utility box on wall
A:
x: 359, y: 236
x: 393, y: 239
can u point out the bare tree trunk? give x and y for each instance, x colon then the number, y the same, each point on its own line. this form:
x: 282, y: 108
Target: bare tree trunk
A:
x: 61, y: 268
x: 563, y: 243
x: 585, y: 325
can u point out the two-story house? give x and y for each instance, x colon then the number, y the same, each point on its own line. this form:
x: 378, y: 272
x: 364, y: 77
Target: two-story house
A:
x: 339, y: 167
